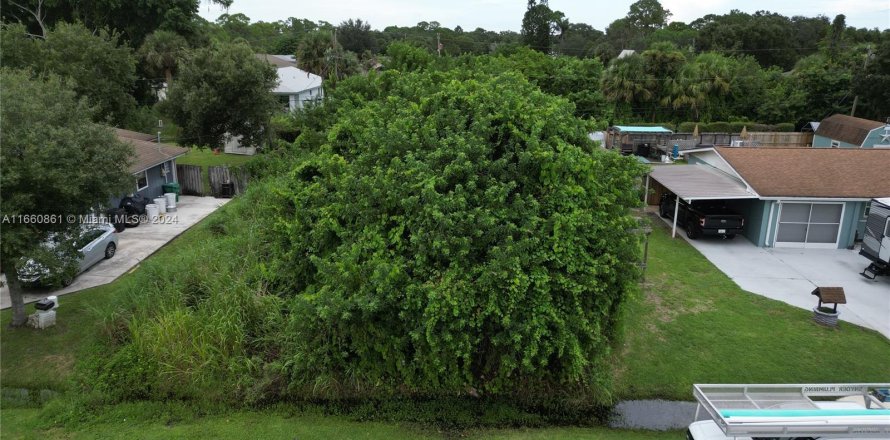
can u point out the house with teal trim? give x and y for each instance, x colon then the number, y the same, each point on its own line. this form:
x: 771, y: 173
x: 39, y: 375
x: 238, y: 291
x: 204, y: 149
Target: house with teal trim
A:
x: 842, y: 131
x: 790, y: 197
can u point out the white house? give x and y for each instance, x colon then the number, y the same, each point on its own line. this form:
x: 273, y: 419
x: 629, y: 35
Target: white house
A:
x: 295, y: 89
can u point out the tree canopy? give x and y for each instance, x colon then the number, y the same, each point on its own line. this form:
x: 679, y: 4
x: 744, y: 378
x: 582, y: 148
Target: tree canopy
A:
x: 56, y: 162
x: 222, y: 90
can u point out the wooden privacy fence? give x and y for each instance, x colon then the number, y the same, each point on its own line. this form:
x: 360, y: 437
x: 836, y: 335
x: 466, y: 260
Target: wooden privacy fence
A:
x: 190, y: 179
x: 221, y: 174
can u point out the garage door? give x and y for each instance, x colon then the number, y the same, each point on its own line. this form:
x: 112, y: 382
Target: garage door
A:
x: 810, y: 225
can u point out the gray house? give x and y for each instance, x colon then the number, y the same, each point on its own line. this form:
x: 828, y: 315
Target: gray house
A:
x: 842, y: 131
x: 154, y: 163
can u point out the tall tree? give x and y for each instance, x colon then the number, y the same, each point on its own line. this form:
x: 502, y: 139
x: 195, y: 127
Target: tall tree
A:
x: 161, y: 52
x: 56, y: 162
x: 538, y: 25
x: 356, y: 36
x: 222, y: 90
x: 311, y: 52
x: 836, y: 36
x: 648, y: 15
x: 872, y: 84
x: 96, y: 64
x: 134, y: 20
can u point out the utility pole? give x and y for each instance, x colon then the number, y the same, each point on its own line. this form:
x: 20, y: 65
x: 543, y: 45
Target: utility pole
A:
x: 864, y: 68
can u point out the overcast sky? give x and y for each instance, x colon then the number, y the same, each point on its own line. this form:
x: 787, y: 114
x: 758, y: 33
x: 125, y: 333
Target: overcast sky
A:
x: 501, y: 15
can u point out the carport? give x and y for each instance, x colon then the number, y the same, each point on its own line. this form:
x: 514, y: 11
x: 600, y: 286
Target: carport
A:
x: 698, y: 182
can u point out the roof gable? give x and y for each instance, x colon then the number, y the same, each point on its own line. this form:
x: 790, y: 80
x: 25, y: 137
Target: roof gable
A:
x: 847, y: 128
x: 148, y: 154
x: 812, y: 172
x: 292, y: 81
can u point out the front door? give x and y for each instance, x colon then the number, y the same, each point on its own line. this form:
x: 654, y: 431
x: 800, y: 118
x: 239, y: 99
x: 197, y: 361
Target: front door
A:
x: 809, y: 225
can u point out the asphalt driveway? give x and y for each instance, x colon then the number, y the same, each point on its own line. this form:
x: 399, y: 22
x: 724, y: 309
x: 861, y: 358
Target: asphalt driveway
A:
x: 790, y: 275
x: 134, y: 245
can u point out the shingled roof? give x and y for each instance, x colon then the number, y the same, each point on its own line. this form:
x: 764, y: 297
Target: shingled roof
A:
x: 148, y: 154
x: 847, y: 128
x: 812, y: 172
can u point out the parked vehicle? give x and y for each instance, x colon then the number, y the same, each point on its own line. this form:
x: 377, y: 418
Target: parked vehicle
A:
x: 93, y: 244
x: 876, y: 243
x: 703, y: 218
x: 134, y: 205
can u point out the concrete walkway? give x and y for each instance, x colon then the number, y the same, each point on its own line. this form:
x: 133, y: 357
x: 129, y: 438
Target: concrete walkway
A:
x: 134, y: 245
x: 790, y: 275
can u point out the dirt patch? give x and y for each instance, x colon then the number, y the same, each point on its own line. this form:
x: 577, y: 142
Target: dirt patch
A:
x: 668, y: 309
x: 63, y: 363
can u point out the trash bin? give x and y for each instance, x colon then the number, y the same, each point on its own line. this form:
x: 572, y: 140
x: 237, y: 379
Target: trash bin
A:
x: 227, y: 190
x: 172, y: 187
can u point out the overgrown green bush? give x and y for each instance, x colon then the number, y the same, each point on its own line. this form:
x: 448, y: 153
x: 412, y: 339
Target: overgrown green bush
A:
x: 451, y: 234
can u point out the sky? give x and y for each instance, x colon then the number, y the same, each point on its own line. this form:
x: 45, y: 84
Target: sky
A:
x: 499, y: 15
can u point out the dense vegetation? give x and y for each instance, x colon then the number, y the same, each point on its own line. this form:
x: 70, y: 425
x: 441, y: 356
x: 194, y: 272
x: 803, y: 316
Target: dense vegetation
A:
x: 759, y: 68
x: 441, y: 226
x: 449, y: 234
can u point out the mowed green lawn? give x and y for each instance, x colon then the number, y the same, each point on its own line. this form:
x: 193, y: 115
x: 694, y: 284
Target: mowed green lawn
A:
x: 205, y: 157
x: 25, y: 424
x: 688, y: 324
x: 691, y: 324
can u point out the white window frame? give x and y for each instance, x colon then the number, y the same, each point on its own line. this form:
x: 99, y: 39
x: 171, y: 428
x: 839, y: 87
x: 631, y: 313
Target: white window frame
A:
x: 144, y: 173
x: 805, y: 244
x: 835, y: 144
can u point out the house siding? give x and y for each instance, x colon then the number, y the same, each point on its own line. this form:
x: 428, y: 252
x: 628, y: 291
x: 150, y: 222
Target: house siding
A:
x: 824, y: 142
x: 755, y: 213
x: 156, y: 180
x: 874, y: 139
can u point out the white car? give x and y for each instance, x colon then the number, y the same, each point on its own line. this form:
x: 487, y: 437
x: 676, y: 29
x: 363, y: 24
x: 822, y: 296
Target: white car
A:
x: 94, y: 243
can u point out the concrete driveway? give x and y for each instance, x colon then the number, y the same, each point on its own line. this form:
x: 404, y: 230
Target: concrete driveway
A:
x: 134, y: 245
x: 790, y: 275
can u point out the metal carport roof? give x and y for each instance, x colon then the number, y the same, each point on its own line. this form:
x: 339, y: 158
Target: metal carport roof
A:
x: 700, y: 182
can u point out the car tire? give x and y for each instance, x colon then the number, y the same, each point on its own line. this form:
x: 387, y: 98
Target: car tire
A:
x: 691, y: 232
x: 110, y: 250
x: 67, y: 281
x: 132, y: 221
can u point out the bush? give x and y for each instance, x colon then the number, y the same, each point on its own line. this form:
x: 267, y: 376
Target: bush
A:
x: 453, y: 235
x: 737, y: 126
x: 785, y: 127
x: 419, y: 235
x: 716, y: 127
x: 687, y: 127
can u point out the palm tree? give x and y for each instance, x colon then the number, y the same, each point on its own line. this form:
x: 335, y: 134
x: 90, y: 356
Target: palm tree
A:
x: 624, y: 82
x: 311, y: 52
x: 162, y: 51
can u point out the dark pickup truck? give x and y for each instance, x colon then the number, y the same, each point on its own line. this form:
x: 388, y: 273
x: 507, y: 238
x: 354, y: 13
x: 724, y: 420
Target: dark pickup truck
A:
x: 703, y: 218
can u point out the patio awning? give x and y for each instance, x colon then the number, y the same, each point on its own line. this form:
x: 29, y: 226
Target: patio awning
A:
x: 700, y: 182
